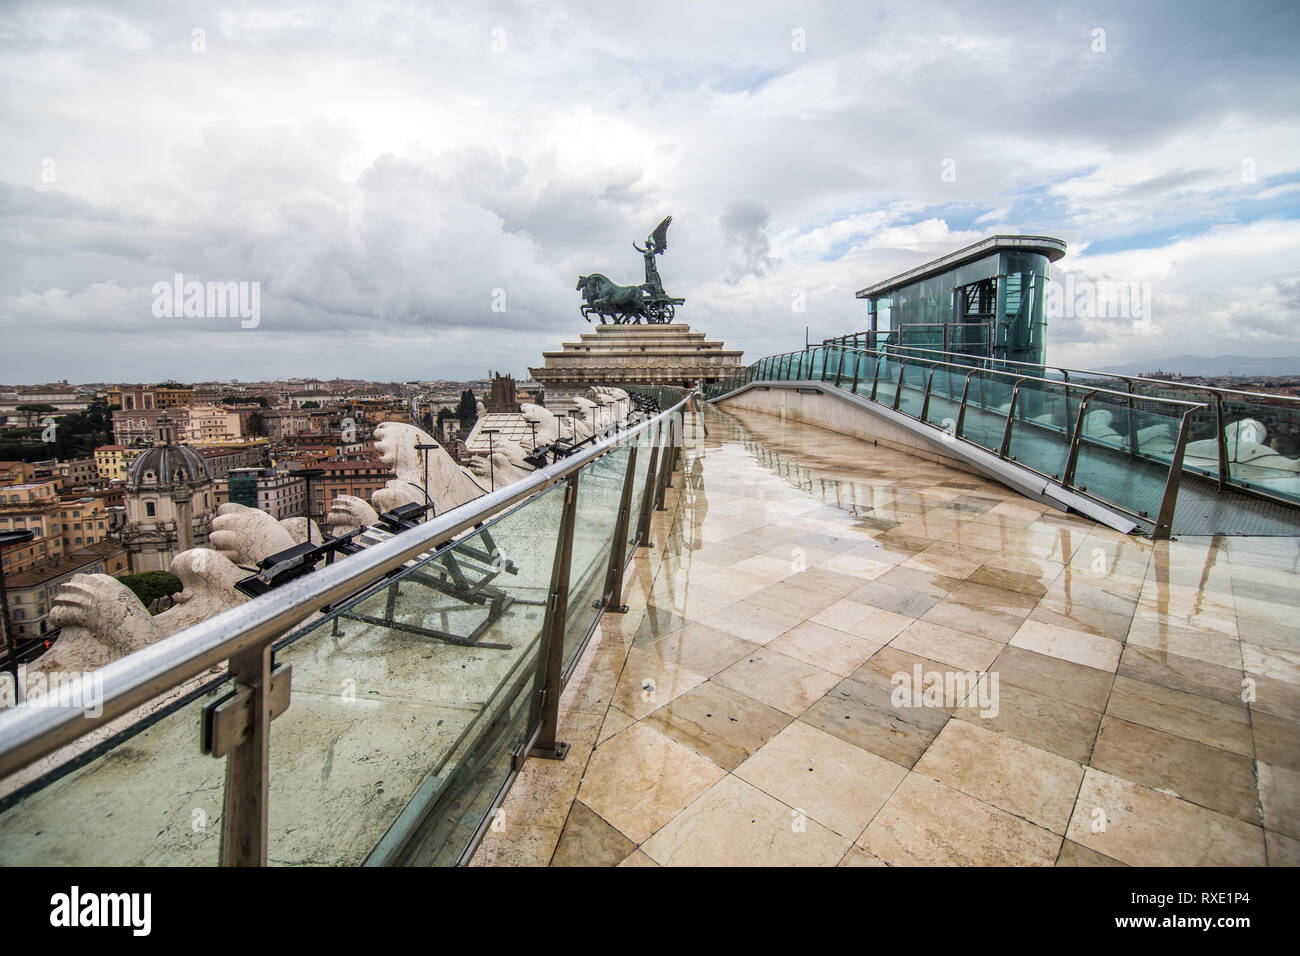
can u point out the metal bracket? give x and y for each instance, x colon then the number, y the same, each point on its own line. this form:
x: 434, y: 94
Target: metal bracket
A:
x: 227, y: 721
x: 518, y: 757
x: 557, y: 752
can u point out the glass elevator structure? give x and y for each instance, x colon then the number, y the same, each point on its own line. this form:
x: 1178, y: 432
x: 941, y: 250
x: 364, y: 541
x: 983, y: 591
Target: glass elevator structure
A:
x: 986, y: 299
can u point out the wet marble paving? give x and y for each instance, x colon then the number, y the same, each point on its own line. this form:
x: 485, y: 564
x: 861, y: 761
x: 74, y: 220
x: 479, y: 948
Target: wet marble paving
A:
x: 839, y: 654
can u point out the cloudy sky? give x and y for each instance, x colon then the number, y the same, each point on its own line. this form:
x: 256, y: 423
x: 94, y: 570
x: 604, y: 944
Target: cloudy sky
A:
x: 389, y: 172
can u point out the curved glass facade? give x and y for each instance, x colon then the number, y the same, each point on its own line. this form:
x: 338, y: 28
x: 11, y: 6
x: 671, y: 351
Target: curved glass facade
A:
x: 992, y: 306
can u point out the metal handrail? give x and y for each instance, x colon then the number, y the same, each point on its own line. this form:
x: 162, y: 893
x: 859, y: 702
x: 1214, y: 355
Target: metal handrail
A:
x: 1186, y: 386
x: 1126, y: 396
x: 1163, y: 522
x: 28, y: 733
x: 1213, y: 394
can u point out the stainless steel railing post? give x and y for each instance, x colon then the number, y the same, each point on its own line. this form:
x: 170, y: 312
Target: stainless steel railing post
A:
x: 1164, y: 528
x: 554, y: 625
x: 1221, y: 438
x: 245, y: 804
x: 1005, y: 447
x: 666, y: 467
x: 648, y: 501
x: 1132, y: 423
x: 961, y: 411
x: 613, y: 600
x: 1072, y: 457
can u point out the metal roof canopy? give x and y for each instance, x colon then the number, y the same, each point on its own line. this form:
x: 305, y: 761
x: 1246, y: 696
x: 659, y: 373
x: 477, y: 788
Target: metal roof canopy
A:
x: 1053, y: 249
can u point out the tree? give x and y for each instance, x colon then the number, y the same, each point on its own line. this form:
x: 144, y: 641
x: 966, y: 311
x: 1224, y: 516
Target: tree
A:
x: 79, y: 432
x: 467, y: 410
x: 153, y: 586
x: 444, y: 414
x: 310, y: 404
x: 34, y: 411
x: 99, y: 417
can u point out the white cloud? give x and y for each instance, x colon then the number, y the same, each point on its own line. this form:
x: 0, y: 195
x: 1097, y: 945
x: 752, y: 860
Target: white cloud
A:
x: 380, y: 169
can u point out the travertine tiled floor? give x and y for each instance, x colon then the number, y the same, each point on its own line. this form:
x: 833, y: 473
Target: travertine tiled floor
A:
x: 747, y: 709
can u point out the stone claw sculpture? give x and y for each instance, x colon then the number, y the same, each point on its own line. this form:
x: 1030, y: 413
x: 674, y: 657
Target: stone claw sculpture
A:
x: 506, y: 467
x: 395, y: 494
x: 297, y: 528
x: 208, y: 581
x: 449, y: 486
x: 548, y: 426
x: 100, y: 619
x: 245, y: 536
x: 586, y: 415
x: 349, y: 513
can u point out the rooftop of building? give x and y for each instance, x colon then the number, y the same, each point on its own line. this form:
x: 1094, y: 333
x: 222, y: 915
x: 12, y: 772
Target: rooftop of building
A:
x: 61, y: 567
x: 1053, y: 249
x: 352, y: 464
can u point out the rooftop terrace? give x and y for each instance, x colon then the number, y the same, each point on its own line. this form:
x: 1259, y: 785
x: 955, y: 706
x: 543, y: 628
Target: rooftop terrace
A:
x: 835, y: 652
x: 756, y: 706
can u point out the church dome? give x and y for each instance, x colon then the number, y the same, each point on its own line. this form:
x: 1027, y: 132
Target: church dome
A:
x: 167, y: 463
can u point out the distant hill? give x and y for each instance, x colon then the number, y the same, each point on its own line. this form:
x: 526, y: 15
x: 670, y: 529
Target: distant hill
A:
x: 1247, y: 365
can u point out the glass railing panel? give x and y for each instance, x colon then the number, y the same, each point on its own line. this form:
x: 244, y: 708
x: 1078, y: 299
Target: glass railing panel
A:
x: 463, y: 793
x: 969, y: 339
x: 1155, y: 430
x: 866, y: 370
x: 146, y: 797
x: 600, y: 491
x: 923, y: 336
x: 1040, y: 437
x: 645, y: 442
x: 1107, y: 422
x: 945, y: 398
x: 887, y: 379
x: 1202, y: 454
x: 1109, y: 466
x: 1263, y: 447
x: 912, y: 400
x: 816, y: 363
x: 987, y: 403
x: 396, y: 693
x: 834, y: 364
x: 947, y: 382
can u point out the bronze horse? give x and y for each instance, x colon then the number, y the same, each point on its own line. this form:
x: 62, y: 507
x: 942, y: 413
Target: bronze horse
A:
x: 610, y: 300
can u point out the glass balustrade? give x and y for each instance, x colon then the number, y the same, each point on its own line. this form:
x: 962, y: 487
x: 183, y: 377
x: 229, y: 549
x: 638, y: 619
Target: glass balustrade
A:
x: 411, y: 702
x: 1128, y: 434
x: 146, y: 796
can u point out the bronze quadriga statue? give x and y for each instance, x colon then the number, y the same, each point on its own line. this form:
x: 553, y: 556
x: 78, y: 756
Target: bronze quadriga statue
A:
x: 629, y: 304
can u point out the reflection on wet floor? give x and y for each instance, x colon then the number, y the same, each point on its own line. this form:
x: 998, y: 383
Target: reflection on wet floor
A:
x: 841, y: 654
